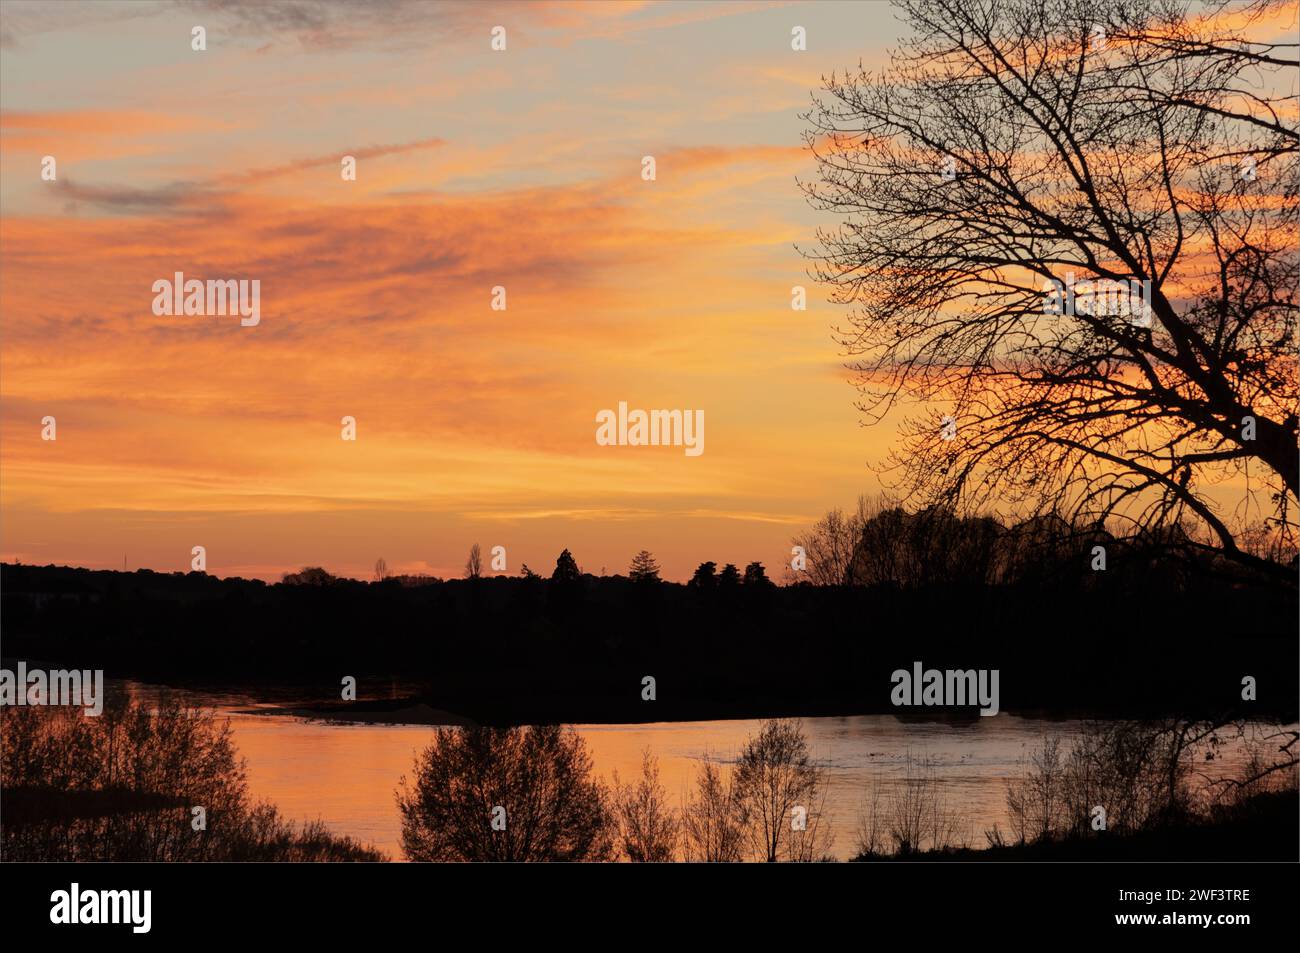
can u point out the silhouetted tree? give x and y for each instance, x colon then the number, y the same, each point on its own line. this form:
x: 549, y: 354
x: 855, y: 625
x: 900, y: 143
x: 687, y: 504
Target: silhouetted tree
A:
x: 729, y: 578
x: 773, y: 776
x: 932, y: 547
x: 711, y: 822
x: 566, y: 568
x: 882, y: 551
x: 381, y: 569
x: 1215, y: 45
x: 828, y: 547
x: 310, y: 576
x: 756, y: 575
x: 474, y: 564
x: 706, y: 576
x: 507, y: 794
x: 644, y: 568
x: 1004, y: 149
x: 648, y: 828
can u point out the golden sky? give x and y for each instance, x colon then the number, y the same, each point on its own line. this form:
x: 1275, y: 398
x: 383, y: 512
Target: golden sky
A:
x: 475, y: 168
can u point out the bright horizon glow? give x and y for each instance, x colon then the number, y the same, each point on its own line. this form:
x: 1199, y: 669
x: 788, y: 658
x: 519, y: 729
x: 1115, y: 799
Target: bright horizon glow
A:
x: 474, y: 169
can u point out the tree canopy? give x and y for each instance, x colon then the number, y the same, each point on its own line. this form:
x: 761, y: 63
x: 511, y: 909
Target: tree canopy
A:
x: 1011, y: 147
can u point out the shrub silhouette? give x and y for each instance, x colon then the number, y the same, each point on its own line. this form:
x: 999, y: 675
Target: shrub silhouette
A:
x: 507, y: 794
x: 648, y: 829
x: 121, y: 786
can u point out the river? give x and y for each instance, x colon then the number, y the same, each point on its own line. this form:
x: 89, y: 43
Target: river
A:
x: 345, y: 773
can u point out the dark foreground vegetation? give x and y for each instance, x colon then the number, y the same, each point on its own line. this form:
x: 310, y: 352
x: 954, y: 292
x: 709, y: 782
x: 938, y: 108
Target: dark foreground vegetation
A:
x: 1118, y: 790
x: 125, y: 786
x: 1259, y: 827
x: 163, y: 783
x: 1154, y: 631
x: 528, y: 794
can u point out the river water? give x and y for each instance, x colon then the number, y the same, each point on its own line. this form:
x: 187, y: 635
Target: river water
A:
x: 345, y: 773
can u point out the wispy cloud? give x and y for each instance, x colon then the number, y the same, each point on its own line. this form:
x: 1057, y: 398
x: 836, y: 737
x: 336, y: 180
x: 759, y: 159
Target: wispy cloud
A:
x: 475, y: 170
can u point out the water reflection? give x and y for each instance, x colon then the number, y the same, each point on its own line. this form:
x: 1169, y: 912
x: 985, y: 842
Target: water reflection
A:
x: 345, y: 773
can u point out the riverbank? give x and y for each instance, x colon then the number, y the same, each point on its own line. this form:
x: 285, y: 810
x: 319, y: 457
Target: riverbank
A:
x: 1262, y: 827
x: 505, y: 651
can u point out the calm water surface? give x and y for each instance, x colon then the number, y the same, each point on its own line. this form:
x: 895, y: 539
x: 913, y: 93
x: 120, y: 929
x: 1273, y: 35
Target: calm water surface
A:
x: 345, y: 773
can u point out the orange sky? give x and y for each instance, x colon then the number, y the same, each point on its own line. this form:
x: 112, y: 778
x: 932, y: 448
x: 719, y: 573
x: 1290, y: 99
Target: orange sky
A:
x: 475, y: 169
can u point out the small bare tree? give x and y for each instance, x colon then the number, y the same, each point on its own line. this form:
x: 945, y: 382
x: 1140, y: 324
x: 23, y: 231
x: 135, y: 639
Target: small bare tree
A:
x: 474, y: 565
x: 829, y: 546
x: 811, y: 837
x: 922, y: 817
x: 776, y: 781
x: 1036, y: 802
x: 909, y: 814
x: 648, y: 829
x: 873, y: 840
x: 381, y: 569
x: 711, y: 826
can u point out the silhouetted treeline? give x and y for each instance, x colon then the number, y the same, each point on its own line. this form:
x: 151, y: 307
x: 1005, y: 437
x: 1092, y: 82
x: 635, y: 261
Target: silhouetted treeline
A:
x: 529, y: 794
x: 882, y: 543
x: 1145, y: 635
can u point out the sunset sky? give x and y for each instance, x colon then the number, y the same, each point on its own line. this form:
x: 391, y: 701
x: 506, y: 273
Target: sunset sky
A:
x: 475, y: 168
